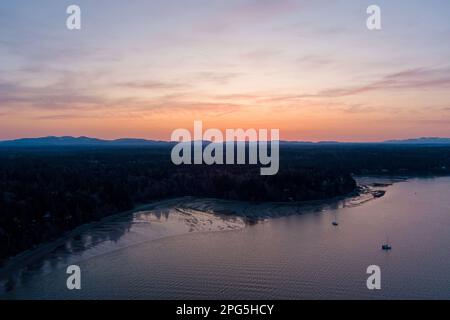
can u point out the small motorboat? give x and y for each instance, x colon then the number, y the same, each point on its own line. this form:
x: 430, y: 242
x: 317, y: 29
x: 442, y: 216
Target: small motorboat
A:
x: 335, y: 220
x: 386, y: 247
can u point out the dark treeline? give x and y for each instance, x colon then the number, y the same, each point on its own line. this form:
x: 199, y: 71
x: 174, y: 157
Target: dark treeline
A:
x: 47, y: 191
x: 372, y: 159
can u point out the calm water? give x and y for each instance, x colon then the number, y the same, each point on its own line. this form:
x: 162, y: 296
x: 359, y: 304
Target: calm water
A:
x: 150, y: 255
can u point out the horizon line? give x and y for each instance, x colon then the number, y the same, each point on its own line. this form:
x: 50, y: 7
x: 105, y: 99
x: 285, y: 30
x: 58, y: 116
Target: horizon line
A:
x: 224, y: 141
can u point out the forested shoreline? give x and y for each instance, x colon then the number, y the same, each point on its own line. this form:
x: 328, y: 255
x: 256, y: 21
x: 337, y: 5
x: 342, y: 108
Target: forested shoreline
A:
x: 45, y: 192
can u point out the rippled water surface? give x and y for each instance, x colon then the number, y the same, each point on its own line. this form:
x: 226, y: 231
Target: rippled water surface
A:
x: 168, y: 253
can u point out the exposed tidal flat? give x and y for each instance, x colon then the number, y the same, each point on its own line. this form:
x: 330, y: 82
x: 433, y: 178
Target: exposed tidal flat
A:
x: 189, y: 248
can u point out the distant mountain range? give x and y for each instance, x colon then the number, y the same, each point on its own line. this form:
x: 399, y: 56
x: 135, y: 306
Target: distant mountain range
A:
x: 78, y: 141
x: 423, y: 140
x: 87, y: 141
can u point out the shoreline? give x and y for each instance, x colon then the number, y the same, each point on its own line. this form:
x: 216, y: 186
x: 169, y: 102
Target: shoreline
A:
x: 35, y: 253
x: 250, y: 212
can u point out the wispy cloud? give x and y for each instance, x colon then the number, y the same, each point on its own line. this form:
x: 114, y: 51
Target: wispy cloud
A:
x: 220, y: 78
x: 314, y: 60
x: 261, y: 55
x: 419, y: 78
x: 258, y: 9
x: 433, y: 122
x: 14, y: 95
x: 154, y: 85
x: 244, y: 13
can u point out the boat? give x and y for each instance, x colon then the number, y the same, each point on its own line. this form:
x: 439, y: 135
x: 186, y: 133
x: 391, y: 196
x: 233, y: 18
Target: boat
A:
x: 386, y: 246
x: 335, y: 221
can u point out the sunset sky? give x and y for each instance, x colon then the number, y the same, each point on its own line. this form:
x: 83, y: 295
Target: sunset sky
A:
x: 144, y: 68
